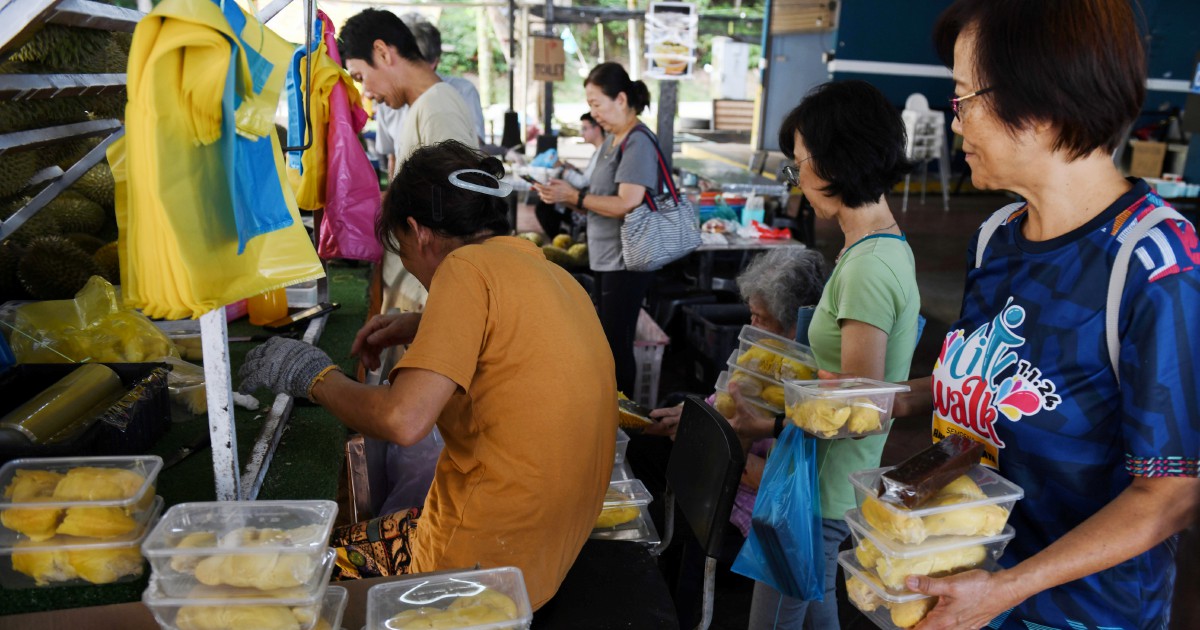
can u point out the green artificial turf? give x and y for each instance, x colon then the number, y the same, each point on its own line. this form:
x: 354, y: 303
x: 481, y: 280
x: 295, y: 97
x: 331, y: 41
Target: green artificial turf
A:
x: 306, y: 465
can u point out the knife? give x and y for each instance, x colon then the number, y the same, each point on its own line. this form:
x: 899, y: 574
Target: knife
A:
x: 289, y: 335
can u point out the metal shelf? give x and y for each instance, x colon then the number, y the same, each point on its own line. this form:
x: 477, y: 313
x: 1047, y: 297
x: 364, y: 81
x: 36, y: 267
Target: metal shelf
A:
x: 21, y: 19
x: 19, y: 87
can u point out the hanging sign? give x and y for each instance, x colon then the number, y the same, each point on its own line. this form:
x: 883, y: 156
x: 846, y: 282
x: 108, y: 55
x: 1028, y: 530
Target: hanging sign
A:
x: 549, y: 59
x: 671, y: 31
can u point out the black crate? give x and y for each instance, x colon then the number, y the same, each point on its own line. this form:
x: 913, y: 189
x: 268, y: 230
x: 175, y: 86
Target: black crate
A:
x: 148, y: 415
x: 712, y: 334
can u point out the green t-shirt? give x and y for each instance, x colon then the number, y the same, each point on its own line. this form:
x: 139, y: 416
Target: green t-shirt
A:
x: 875, y: 282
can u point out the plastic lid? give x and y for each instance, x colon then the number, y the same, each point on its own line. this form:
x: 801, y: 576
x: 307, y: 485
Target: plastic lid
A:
x: 148, y: 466
x: 851, y: 565
x: 439, y: 590
x: 627, y: 493
x: 777, y: 343
x: 996, y: 489
x: 847, y: 386
x: 305, y: 526
x: 935, y: 544
x: 333, y: 605
x: 202, y: 595
x: 70, y: 543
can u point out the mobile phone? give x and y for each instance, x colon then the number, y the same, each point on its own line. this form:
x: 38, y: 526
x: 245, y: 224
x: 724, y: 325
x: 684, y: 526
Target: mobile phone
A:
x: 530, y: 179
x: 301, y: 317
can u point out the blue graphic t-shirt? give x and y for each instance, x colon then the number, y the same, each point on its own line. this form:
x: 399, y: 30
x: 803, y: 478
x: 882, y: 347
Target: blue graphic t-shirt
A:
x: 1026, y: 371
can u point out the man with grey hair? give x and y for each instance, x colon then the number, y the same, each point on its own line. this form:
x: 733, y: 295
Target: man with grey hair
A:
x: 390, y: 121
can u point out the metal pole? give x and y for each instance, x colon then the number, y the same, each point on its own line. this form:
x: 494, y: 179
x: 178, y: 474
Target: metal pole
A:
x: 548, y: 86
x: 512, y: 55
x: 764, y: 75
x: 668, y: 106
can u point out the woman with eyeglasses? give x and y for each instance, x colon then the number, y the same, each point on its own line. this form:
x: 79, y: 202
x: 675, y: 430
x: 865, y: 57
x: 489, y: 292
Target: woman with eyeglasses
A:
x: 528, y: 442
x: 846, y: 142
x: 1075, y: 359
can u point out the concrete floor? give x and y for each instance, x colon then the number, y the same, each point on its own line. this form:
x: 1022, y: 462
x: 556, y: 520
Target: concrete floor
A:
x: 939, y: 241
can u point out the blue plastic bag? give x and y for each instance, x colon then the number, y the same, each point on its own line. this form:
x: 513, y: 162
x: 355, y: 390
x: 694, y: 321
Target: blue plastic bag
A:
x: 785, y: 547
x: 546, y: 159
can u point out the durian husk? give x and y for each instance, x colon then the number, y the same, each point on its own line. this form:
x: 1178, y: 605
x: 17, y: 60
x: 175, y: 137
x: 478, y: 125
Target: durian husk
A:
x: 109, y: 262
x: 75, y: 50
x: 76, y: 213
x: 16, y: 169
x: 53, y: 268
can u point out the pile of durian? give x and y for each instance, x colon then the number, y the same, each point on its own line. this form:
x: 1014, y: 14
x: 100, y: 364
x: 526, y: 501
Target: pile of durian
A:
x: 562, y: 250
x: 73, y: 237
x: 44, y: 562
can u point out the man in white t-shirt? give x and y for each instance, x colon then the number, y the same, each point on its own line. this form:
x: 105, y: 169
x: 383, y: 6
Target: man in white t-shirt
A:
x: 382, y: 54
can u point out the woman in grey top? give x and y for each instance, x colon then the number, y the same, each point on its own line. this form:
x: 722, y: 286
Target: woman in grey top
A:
x: 625, y: 170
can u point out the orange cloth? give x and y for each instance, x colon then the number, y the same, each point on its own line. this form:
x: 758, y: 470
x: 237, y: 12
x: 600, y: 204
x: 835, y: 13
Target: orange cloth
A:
x: 531, y: 433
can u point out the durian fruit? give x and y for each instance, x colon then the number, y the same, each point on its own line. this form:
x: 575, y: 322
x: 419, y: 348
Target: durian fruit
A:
x: 10, y: 284
x: 67, y: 49
x: 89, y: 483
x: 537, y: 238
x: 109, y: 262
x: 16, y: 169
x: 97, y: 522
x: 105, y: 566
x: 579, y: 253
x: 489, y: 598
x: 66, y: 153
x: 563, y: 241
x: 28, y: 486
x: 773, y: 395
x: 864, y: 416
x: 75, y: 213
x: 87, y: 242
x: 899, y: 525
x: 558, y: 256
x: 759, y: 360
x: 979, y: 520
x: 867, y: 553
x: 820, y: 416
x: 791, y: 369
x: 194, y: 540
x: 747, y: 384
x: 909, y: 614
x: 892, y: 571
x: 862, y: 595
x: 236, y: 617
x: 35, y: 227
x: 97, y: 185
x: 482, y: 609
x: 18, y: 115
x: 264, y: 571
x: 44, y: 565
x: 611, y: 517
x: 725, y: 405
x: 53, y: 268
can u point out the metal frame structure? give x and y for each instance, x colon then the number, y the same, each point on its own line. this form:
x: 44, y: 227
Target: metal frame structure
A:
x: 19, y: 21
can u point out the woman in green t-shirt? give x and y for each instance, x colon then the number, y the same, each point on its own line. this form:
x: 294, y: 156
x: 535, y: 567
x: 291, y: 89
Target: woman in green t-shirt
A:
x: 846, y: 142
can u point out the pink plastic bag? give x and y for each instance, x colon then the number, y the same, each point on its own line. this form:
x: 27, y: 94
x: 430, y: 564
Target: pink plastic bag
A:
x: 351, y: 186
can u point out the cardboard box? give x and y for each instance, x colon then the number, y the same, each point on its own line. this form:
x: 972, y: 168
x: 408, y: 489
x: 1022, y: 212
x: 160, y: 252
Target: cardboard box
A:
x: 549, y: 59
x: 1148, y: 158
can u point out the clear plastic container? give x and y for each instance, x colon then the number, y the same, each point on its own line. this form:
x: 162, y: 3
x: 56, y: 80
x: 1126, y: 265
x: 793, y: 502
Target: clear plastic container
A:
x: 74, y: 561
x: 774, y: 356
x: 208, y: 537
x: 237, y: 610
x: 622, y: 503
x: 885, y: 608
x: 267, y: 307
x: 36, y: 502
x: 764, y: 388
x: 491, y: 599
x: 725, y: 398
x: 976, y: 504
x: 839, y: 408
x: 622, y: 445
x: 891, y: 561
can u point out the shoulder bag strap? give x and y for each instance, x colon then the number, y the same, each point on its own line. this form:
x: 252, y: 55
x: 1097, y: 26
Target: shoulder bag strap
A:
x: 1120, y: 271
x: 664, y: 175
x: 989, y: 227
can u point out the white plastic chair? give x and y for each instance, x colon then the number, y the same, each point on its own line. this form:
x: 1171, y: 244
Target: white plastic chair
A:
x: 926, y: 132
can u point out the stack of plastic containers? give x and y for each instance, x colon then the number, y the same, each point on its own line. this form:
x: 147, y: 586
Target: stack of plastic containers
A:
x: 760, y: 366
x: 76, y: 520
x: 232, y: 565
x: 623, y: 504
x: 962, y: 527
x: 491, y: 599
x: 842, y: 407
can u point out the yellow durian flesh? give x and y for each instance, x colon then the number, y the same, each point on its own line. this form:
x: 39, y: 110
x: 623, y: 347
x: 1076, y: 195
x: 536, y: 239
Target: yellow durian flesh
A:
x: 864, y: 417
x: 867, y: 553
x: 264, y: 571
x: 979, y: 520
x: 909, y: 614
x: 187, y: 564
x: 773, y: 395
x: 490, y: 598
x: 820, y: 416
x: 44, y: 565
x: 725, y: 405
x: 892, y: 571
x: 105, y: 566
x: 759, y: 360
x: 487, y: 607
x: 893, y: 524
x: 236, y: 618
x: 861, y: 595
x: 99, y: 522
x: 747, y: 384
x: 87, y: 483
x: 30, y: 486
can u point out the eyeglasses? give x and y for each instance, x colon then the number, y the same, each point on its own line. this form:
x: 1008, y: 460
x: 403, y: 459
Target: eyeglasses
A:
x: 956, y: 102
x: 790, y: 173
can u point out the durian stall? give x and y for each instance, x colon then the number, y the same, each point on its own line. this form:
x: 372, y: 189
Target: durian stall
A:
x: 62, y: 101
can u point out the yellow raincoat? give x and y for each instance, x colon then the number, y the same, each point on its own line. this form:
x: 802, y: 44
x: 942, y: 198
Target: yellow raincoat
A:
x: 178, y: 239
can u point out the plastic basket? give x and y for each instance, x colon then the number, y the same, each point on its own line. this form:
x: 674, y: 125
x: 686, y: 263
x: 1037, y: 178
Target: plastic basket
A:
x: 648, y: 347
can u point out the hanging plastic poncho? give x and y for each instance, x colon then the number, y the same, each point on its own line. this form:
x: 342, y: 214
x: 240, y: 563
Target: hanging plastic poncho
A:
x: 204, y: 218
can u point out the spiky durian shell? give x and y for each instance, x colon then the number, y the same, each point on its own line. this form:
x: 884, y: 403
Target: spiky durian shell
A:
x: 53, y: 268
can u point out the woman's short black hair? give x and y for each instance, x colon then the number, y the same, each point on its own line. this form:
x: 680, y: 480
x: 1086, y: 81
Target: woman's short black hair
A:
x: 612, y: 79
x: 856, y: 139
x: 1079, y: 66
x: 357, y: 39
x: 422, y: 190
